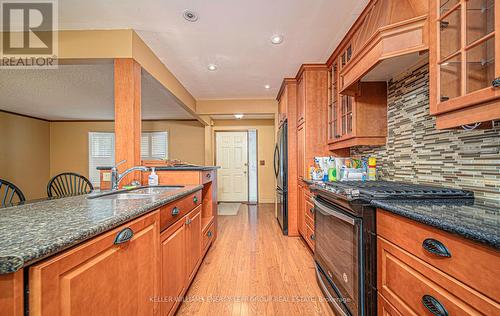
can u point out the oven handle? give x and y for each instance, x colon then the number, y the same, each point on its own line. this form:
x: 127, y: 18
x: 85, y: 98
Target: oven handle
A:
x: 330, y: 297
x: 328, y: 211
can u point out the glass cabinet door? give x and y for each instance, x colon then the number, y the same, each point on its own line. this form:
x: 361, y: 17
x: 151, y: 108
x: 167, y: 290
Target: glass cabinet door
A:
x: 466, y: 44
x: 346, y: 114
x: 333, y: 108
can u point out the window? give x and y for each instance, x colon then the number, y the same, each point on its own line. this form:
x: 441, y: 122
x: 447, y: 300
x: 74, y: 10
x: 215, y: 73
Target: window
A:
x: 101, y: 153
x: 154, y: 145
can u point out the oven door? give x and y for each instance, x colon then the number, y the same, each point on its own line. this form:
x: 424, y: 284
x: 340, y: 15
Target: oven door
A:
x: 339, y: 254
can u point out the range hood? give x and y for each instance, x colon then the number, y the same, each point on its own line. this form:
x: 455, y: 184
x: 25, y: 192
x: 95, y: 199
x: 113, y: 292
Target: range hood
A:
x: 388, y: 37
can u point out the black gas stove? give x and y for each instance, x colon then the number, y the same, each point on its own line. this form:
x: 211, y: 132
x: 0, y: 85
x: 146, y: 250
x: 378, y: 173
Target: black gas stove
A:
x: 346, y: 239
x: 375, y: 190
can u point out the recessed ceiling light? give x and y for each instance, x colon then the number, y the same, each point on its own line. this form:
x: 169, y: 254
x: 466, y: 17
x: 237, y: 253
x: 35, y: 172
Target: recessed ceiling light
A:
x: 189, y: 15
x: 267, y: 86
x: 238, y: 116
x: 277, y: 39
x: 212, y: 67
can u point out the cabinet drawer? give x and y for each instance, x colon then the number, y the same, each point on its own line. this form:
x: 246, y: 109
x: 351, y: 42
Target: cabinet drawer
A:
x: 208, y: 236
x: 309, y: 211
x: 310, y: 236
x: 471, y: 263
x: 385, y: 308
x: 406, y: 282
x: 177, y: 209
x: 207, y: 176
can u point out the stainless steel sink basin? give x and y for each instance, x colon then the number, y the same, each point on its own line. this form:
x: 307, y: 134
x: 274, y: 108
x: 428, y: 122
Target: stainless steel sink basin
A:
x: 137, y: 193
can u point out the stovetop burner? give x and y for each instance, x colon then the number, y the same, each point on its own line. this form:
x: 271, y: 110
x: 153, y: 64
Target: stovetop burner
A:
x: 393, y: 190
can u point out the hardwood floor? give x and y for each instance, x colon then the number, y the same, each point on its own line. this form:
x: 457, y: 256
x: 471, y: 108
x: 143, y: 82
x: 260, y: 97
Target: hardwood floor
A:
x: 252, y: 269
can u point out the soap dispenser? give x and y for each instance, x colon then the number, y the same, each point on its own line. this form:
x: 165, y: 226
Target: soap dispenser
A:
x: 152, y: 178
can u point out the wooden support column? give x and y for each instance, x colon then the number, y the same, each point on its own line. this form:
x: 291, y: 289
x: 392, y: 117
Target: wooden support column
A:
x: 128, y: 116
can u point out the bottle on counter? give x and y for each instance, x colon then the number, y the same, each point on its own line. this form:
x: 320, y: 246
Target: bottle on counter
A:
x: 372, y: 169
x: 153, y: 177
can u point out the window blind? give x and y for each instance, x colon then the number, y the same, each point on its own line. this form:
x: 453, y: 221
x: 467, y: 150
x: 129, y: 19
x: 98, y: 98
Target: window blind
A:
x: 154, y: 145
x: 101, y: 153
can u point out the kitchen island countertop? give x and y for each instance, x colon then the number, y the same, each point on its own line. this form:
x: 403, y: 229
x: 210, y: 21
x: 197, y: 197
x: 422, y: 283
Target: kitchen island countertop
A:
x: 33, y: 231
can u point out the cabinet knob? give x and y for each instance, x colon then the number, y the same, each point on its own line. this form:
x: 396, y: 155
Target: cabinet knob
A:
x: 496, y: 83
x: 195, y: 199
x: 434, y: 306
x: 123, y: 236
x: 175, y: 211
x: 311, y: 210
x: 436, y: 247
x: 313, y: 237
x: 209, y: 175
x: 209, y: 234
x: 188, y: 221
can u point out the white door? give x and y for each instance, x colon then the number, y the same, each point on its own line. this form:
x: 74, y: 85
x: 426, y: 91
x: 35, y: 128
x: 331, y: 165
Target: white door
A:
x: 232, y: 157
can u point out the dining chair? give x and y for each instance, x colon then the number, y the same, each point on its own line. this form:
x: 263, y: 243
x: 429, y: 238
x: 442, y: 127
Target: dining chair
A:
x: 68, y: 184
x: 10, y: 193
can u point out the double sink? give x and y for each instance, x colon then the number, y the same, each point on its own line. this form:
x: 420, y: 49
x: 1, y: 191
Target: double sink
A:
x: 136, y: 193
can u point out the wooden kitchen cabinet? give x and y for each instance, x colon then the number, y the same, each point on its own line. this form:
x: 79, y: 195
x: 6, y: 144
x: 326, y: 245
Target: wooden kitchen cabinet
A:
x: 100, y: 276
x: 312, y: 99
x: 464, y: 73
x: 193, y: 241
x: 287, y: 98
x: 173, y: 267
x: 359, y: 120
x: 181, y: 255
x: 408, y: 275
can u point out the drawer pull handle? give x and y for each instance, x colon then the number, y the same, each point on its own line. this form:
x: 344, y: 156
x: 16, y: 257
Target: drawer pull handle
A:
x: 195, y: 199
x: 175, y: 211
x: 496, y: 83
x: 434, y: 306
x: 123, y: 236
x: 436, y: 247
x: 209, y: 234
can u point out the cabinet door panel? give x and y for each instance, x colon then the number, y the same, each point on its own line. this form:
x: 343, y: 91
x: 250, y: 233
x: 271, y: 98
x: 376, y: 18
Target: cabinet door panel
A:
x: 194, y: 241
x: 300, y: 209
x: 301, y: 153
x: 301, y: 100
x: 99, y: 277
x: 173, y: 266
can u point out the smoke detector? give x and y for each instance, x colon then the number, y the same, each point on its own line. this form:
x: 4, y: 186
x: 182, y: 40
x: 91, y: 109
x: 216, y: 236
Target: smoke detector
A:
x: 190, y: 16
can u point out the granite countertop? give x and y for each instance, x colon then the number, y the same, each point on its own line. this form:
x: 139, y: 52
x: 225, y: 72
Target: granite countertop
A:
x: 31, y: 232
x: 477, y: 220
x: 160, y: 168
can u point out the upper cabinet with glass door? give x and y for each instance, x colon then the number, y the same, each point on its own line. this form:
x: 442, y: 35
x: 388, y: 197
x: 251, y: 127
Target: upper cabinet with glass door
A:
x: 464, y: 72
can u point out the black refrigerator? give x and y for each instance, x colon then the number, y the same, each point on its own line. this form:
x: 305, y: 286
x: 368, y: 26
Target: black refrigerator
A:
x: 281, y: 170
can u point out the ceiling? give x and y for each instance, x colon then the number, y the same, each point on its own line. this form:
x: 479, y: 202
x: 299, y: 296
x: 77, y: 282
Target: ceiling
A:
x: 234, y: 35
x: 245, y: 117
x: 79, y: 92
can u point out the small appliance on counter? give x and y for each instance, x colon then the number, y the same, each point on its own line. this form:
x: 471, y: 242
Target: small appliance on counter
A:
x: 345, y: 234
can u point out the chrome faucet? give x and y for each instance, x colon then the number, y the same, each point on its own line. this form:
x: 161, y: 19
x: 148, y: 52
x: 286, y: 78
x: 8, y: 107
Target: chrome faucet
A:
x: 117, y: 177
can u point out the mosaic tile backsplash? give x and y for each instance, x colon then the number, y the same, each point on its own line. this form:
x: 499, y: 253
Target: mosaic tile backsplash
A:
x: 417, y: 152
